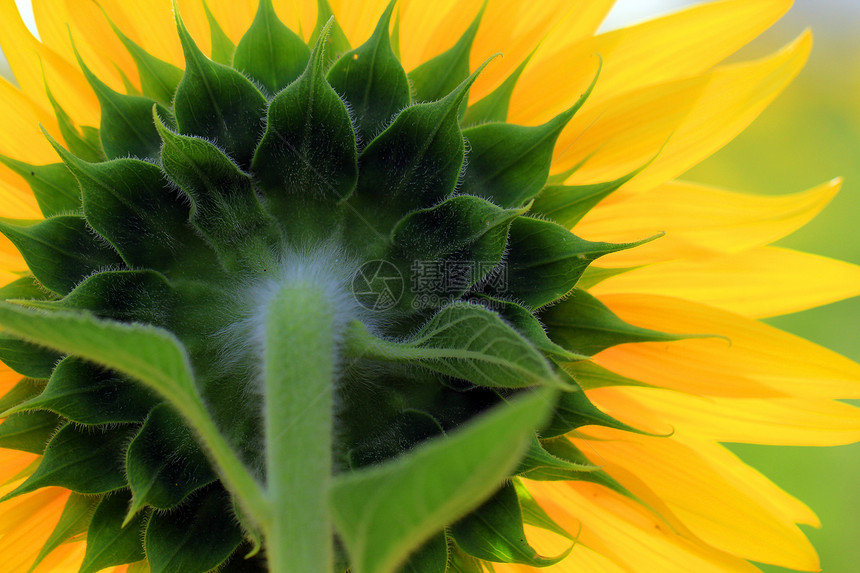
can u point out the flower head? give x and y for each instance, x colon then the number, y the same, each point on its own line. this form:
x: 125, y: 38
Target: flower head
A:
x: 293, y: 287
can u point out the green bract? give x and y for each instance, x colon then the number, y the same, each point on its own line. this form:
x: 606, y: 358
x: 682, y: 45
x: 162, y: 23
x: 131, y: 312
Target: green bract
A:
x: 294, y: 302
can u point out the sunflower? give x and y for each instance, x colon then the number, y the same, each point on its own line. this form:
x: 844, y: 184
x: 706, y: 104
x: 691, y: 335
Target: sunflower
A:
x: 329, y: 286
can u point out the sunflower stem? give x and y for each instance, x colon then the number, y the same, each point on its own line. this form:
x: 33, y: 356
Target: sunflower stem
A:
x: 299, y: 372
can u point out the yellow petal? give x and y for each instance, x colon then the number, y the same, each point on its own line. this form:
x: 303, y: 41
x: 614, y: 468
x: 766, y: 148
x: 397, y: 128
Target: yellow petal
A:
x: 720, y: 512
x: 724, y: 104
x: 683, y: 44
x: 754, y: 354
x: 699, y: 221
x: 761, y: 282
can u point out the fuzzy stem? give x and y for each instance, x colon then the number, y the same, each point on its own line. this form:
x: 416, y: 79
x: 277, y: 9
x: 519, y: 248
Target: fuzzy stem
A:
x: 300, y: 356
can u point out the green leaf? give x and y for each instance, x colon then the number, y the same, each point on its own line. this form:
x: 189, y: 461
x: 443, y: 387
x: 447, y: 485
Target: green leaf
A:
x: 372, y: 80
x: 158, y: 79
x: 83, y: 460
x: 336, y: 41
x: 509, y: 164
x: 308, y: 153
x: 494, y: 532
x: 566, y: 204
x: 194, y: 538
x: 126, y: 120
x: 494, y: 106
x: 461, y: 562
x: 590, y: 376
x: 534, y: 514
x: 164, y: 462
x: 222, y: 46
x: 25, y: 389
x: 85, y: 143
x: 60, y: 251
x: 126, y: 198
x: 585, y: 325
x: 88, y: 394
x: 108, y: 542
x: 465, y: 341
x: 26, y: 288
x: 224, y: 205
x: 27, y: 359
x: 596, y: 275
x: 437, y: 77
x: 269, y: 52
x: 74, y: 520
x: 218, y: 103
x: 55, y: 189
x: 28, y: 431
x: 385, y: 512
x: 541, y: 463
x: 432, y: 557
x: 545, y: 262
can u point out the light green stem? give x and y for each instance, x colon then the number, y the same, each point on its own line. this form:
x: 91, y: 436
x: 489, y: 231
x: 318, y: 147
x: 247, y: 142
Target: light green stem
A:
x: 300, y: 356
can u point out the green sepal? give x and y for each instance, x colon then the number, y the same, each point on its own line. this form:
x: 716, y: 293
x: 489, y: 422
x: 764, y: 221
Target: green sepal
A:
x: 269, y: 52
x: 432, y: 557
x: 593, y: 275
x: 509, y: 164
x: 83, y: 460
x: 27, y: 359
x: 372, y: 80
x: 60, y: 251
x: 158, y: 79
x: 437, y: 77
x: 494, y: 532
x: 308, y: 155
x: 88, y: 394
x: 385, y: 512
x: 164, y: 462
x: 224, y: 205
x: 196, y: 537
x: 28, y: 431
x: 216, y: 102
x: 465, y: 341
x: 84, y: 141
x: 336, y: 41
x: 222, y: 47
x: 462, y: 562
x: 546, y: 260
x: 109, y: 543
x: 590, y: 376
x: 74, y: 520
x: 527, y: 325
x: 414, y: 163
x: 55, y: 189
x: 25, y: 288
x: 545, y: 466
x: 126, y: 120
x: 131, y: 296
x: 494, y: 106
x: 125, y: 199
x: 25, y: 389
x: 585, y: 325
x: 567, y: 204
x: 534, y: 514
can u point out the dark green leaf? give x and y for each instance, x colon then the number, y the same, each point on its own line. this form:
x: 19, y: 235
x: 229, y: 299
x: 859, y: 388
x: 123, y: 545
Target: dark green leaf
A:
x: 25, y: 389
x: 60, y: 251
x: 164, y: 462
x: 585, y: 325
x: 385, y: 512
x: 55, y: 189
x: 74, y: 520
x: 509, y: 164
x: 217, y: 103
x: 28, y: 431
x: 566, y: 204
x: 494, y: 107
x: 437, y: 77
x: 545, y: 262
x: 308, y: 153
x: 336, y: 42
x: 108, y: 542
x: 222, y: 46
x: 494, y: 532
x: 372, y: 80
x: 432, y: 557
x: 465, y: 341
x: 88, y: 394
x: 194, y: 538
x: 269, y: 52
x: 27, y: 359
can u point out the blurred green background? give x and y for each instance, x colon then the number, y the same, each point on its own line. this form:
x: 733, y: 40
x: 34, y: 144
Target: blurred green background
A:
x: 809, y: 135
